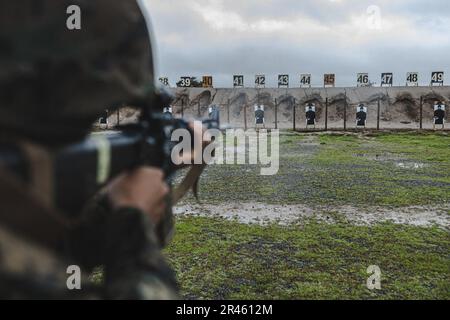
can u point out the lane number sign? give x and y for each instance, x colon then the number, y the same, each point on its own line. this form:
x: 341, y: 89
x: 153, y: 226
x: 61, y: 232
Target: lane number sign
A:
x: 305, y: 80
x: 387, y: 79
x: 283, y: 81
x: 412, y: 79
x: 164, y: 81
x: 238, y: 81
x: 437, y: 78
x: 260, y: 81
x: 362, y: 79
x: 185, y: 82
x: 207, y: 82
x: 329, y: 79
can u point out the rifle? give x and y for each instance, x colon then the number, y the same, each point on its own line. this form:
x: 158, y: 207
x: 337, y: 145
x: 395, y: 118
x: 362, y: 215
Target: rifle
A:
x: 81, y: 170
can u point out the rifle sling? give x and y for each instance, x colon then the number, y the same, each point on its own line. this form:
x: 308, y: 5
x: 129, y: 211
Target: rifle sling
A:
x: 189, y: 181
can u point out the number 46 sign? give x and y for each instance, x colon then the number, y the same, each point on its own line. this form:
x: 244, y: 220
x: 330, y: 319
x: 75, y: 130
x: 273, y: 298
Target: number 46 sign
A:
x: 362, y: 80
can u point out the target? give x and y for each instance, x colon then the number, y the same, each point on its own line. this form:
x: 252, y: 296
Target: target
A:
x: 310, y: 112
x: 439, y: 114
x: 361, y: 115
x: 259, y: 114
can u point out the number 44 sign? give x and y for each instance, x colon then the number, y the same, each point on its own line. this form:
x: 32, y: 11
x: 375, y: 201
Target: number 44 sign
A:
x: 305, y: 80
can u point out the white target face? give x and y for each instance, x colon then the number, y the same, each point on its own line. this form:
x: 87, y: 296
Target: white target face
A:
x: 238, y: 81
x: 168, y: 110
x: 261, y: 107
x: 436, y: 107
x: 364, y: 109
x: 412, y: 78
x: 283, y: 81
x: 311, y: 107
x: 260, y: 81
x: 305, y: 80
x: 437, y: 77
x: 362, y: 79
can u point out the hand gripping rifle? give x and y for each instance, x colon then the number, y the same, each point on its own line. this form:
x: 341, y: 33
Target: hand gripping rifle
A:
x: 79, y: 171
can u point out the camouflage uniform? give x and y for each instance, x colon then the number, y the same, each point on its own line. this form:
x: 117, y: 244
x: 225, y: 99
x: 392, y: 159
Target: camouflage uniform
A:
x: 54, y: 83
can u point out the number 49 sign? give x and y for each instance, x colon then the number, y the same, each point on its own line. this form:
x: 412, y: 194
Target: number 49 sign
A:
x: 437, y: 78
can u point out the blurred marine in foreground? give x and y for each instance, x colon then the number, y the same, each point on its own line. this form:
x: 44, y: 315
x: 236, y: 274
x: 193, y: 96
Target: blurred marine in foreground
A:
x: 54, y: 83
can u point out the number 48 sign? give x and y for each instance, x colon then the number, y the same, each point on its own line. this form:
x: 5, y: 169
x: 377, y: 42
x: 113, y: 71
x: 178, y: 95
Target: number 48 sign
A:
x: 412, y: 79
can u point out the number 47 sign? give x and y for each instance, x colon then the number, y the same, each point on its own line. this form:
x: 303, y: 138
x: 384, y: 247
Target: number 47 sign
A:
x: 387, y: 79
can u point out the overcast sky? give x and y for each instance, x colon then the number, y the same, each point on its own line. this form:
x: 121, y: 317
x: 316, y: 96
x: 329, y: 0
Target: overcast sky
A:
x: 271, y: 37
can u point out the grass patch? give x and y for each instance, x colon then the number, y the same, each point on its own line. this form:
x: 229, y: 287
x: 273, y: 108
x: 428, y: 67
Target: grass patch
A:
x: 219, y: 259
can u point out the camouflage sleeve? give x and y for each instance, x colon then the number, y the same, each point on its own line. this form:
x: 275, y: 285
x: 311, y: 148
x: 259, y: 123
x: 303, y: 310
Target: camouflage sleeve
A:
x: 128, y: 247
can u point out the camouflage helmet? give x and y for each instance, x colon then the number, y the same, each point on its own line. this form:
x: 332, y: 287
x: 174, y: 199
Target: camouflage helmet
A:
x: 55, y: 80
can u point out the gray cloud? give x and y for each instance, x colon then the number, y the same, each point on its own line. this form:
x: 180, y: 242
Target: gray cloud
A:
x: 222, y: 38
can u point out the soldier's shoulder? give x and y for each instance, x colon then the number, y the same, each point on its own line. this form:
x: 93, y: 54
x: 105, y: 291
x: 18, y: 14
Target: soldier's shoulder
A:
x: 28, y: 271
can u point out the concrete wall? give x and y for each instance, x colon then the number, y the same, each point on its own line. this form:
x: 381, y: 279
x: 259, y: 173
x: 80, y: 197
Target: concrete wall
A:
x: 399, y: 106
